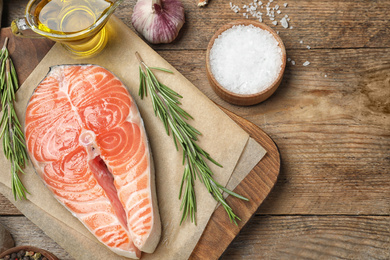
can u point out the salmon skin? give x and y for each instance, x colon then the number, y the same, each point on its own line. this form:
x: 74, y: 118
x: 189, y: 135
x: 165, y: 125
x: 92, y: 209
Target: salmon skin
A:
x: 87, y: 142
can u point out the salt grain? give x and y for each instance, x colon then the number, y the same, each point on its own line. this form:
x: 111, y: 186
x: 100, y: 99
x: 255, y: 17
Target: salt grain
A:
x: 292, y: 62
x: 245, y: 59
x: 306, y: 63
x: 308, y: 47
x: 275, y: 23
x: 285, y: 4
x: 284, y: 22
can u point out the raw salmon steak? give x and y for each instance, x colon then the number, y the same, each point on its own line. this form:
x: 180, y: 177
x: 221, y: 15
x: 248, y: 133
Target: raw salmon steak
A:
x: 87, y: 142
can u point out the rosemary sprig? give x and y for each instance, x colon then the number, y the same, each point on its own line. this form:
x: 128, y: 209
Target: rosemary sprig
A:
x: 13, y: 137
x: 166, y: 106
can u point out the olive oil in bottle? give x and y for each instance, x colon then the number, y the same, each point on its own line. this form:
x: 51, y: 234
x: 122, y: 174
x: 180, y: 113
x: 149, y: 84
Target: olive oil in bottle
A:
x: 63, y: 19
x: 69, y: 16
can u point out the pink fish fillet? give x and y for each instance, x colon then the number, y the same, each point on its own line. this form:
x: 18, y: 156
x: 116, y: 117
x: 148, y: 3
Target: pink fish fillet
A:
x: 87, y: 141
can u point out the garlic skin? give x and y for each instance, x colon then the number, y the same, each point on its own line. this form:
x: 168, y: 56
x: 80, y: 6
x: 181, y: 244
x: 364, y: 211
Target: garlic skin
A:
x: 159, y: 21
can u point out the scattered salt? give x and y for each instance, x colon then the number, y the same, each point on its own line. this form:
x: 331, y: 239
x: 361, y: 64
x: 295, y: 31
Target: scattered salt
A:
x: 291, y: 27
x: 278, y: 11
x: 306, y: 63
x: 288, y: 59
x: 308, y: 47
x: 293, y: 62
x: 284, y: 22
x: 235, y: 8
x: 326, y: 76
x: 301, y: 42
x: 285, y: 4
x: 245, y: 59
x: 275, y: 23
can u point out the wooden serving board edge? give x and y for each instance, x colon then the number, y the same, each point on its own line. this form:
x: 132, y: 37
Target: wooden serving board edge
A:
x: 256, y: 186
x: 220, y: 232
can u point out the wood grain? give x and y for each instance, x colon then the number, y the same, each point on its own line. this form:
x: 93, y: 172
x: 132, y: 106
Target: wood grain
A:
x: 271, y: 237
x: 331, y: 200
x: 319, y: 23
x: 333, y: 132
x: 313, y: 237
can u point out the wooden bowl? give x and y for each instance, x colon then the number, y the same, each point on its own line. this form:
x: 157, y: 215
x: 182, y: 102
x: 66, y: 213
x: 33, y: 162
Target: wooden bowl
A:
x: 45, y: 253
x: 244, y: 99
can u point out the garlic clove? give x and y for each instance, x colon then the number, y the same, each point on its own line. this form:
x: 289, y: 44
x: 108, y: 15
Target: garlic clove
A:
x: 159, y: 21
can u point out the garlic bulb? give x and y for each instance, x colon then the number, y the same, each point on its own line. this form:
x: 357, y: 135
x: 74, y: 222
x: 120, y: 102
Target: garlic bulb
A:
x: 159, y: 21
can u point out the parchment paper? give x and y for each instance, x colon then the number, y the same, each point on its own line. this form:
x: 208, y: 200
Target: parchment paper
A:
x: 222, y: 138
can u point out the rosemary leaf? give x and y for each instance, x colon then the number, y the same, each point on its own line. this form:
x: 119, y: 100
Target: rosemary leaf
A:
x: 162, y: 69
x: 11, y: 133
x: 166, y: 106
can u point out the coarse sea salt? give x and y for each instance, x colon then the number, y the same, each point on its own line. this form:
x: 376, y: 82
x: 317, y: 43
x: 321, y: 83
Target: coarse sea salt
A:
x: 245, y: 59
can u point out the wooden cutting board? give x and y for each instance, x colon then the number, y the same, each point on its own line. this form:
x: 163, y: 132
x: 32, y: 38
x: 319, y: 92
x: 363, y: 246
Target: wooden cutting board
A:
x: 27, y: 53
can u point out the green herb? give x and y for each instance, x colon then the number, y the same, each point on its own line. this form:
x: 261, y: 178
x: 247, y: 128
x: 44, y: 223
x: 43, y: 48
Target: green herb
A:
x: 13, y: 137
x: 166, y: 106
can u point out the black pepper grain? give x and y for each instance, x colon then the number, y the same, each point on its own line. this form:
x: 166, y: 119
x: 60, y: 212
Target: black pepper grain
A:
x: 20, y: 254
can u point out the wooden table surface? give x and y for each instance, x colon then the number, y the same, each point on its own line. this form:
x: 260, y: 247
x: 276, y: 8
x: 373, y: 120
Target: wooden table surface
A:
x: 330, y: 120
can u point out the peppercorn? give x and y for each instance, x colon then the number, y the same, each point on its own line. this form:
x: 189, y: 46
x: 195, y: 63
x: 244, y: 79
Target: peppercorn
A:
x: 20, y: 254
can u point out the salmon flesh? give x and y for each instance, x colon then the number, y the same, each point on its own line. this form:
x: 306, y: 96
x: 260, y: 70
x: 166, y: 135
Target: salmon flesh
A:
x: 87, y: 142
